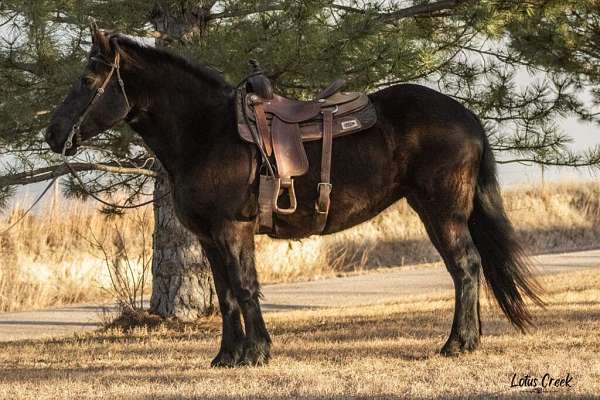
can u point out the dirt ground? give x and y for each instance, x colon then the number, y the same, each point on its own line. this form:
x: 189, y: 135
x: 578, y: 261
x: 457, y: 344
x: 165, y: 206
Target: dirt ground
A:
x: 380, y: 351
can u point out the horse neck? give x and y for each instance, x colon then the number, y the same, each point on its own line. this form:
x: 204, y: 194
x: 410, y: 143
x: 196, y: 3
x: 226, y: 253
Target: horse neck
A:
x: 178, y: 114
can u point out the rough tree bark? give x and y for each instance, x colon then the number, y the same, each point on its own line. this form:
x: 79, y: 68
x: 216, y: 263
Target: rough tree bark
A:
x: 181, y: 279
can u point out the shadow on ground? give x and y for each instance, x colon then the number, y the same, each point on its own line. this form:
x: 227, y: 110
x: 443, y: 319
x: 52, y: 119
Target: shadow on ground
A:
x: 392, y: 339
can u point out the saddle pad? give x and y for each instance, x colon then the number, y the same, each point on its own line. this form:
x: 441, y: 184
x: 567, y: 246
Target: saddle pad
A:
x: 343, y: 125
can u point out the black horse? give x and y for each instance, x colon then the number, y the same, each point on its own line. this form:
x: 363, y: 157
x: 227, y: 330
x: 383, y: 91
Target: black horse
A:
x: 425, y: 147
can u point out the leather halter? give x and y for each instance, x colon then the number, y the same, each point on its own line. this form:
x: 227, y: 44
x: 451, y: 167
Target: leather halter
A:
x: 114, y: 67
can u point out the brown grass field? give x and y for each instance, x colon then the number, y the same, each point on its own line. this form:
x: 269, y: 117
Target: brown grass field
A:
x: 48, y: 259
x: 383, y: 351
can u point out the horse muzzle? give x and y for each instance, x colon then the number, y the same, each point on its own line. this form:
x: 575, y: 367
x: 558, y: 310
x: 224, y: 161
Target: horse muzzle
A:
x: 56, y: 141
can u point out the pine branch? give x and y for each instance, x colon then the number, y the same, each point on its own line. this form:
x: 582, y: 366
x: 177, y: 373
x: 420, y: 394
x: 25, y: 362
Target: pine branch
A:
x: 552, y: 163
x: 47, y: 173
x: 413, y: 11
x: 274, y: 6
x: 32, y: 68
x: 408, y: 12
x: 419, y: 10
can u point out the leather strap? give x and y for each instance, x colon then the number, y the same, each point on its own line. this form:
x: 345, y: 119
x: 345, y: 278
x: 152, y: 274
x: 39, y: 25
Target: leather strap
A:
x: 266, y: 189
x: 263, y: 127
x: 327, y: 144
x: 324, y: 187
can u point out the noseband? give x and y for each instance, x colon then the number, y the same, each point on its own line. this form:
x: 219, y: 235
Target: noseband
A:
x: 114, y: 67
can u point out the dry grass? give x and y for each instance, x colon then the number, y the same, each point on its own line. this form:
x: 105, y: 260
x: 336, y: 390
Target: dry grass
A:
x: 47, y: 261
x: 383, y: 351
x: 553, y: 218
x: 52, y: 258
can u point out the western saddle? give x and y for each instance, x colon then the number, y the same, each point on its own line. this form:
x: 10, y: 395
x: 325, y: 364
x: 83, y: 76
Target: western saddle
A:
x: 279, y: 126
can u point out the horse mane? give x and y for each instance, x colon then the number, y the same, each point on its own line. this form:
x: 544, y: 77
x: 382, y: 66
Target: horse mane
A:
x: 143, y: 56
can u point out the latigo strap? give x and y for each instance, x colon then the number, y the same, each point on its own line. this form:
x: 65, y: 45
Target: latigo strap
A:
x: 324, y: 187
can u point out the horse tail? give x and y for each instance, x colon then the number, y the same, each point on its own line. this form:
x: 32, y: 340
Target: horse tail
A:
x: 505, y: 266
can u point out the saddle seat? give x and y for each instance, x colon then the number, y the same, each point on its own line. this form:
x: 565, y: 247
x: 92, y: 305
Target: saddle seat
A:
x: 352, y: 112
x: 280, y: 126
x: 291, y: 110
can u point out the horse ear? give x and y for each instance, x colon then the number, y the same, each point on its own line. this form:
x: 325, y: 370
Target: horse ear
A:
x: 93, y: 26
x: 99, y: 39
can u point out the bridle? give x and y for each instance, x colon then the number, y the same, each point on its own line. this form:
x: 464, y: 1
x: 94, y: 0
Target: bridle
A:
x: 75, y: 133
x: 76, y: 129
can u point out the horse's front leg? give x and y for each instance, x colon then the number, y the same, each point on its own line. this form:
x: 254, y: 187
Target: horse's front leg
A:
x: 232, y: 336
x: 236, y: 243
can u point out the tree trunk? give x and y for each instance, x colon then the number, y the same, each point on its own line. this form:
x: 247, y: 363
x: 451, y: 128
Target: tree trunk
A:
x: 181, y: 278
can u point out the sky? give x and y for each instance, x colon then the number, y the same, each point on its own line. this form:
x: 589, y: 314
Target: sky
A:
x: 584, y: 135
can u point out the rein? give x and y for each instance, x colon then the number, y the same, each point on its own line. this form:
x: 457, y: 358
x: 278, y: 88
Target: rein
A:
x: 240, y: 92
x: 75, y: 133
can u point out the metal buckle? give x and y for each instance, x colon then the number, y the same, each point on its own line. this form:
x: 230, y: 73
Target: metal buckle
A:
x: 323, y: 199
x: 320, y: 184
x: 253, y: 99
x: 72, y: 135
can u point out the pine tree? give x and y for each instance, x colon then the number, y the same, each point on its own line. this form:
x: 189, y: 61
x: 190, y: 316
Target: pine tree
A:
x: 471, y: 50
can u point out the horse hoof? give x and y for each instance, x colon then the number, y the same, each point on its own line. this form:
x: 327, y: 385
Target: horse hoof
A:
x: 454, y: 347
x: 225, y: 359
x: 256, y: 354
x: 450, y: 349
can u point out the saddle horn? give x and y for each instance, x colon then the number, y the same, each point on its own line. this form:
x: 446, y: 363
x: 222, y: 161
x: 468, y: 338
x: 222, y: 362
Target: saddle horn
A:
x: 258, y: 82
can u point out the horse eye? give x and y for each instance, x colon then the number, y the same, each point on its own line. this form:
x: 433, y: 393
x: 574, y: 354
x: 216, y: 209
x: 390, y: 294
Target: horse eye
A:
x: 87, y: 81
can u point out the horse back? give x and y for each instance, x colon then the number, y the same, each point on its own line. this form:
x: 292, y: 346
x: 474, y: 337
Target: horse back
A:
x: 419, y: 135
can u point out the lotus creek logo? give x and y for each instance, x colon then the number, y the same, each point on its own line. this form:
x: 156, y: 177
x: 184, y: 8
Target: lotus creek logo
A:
x: 540, y: 383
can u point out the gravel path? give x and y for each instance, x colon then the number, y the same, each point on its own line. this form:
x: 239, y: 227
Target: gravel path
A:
x: 355, y: 290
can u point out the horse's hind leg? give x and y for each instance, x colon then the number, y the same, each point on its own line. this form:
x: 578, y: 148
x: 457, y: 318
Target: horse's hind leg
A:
x: 445, y: 214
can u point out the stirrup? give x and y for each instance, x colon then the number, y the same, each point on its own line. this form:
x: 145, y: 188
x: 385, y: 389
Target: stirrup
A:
x: 281, y: 185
